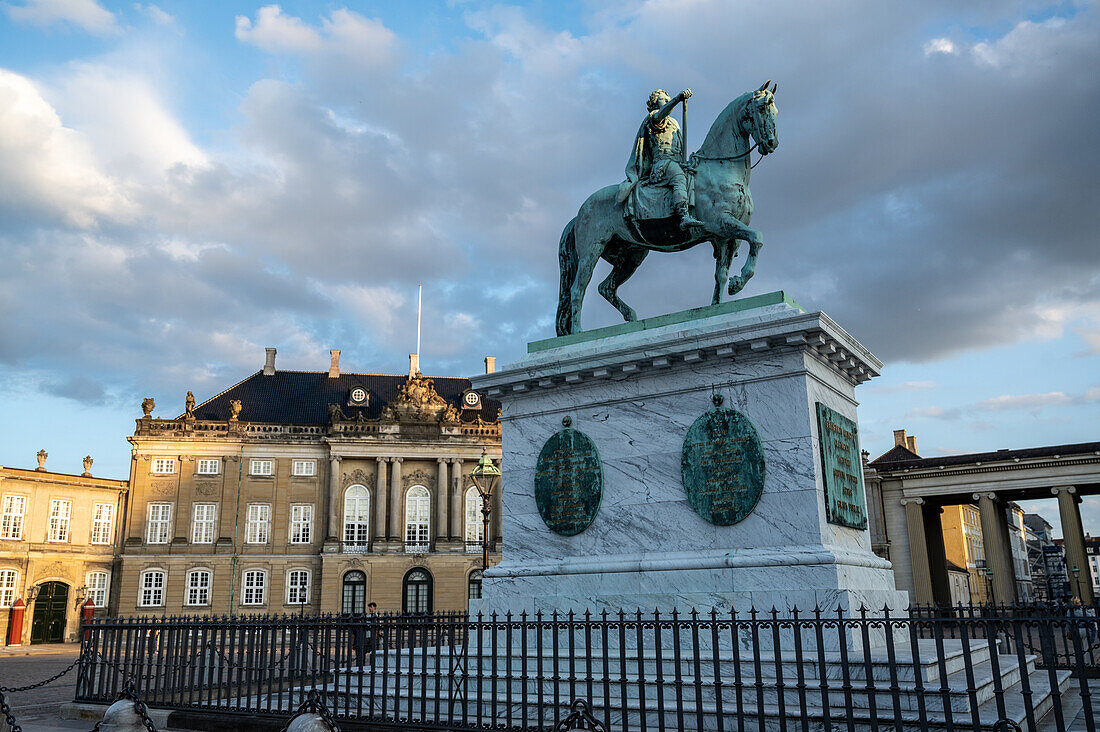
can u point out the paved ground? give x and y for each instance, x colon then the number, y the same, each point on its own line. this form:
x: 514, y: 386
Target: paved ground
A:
x: 37, y: 710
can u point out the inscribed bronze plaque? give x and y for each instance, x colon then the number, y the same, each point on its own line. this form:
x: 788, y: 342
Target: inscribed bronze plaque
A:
x: 568, y: 482
x: 841, y: 469
x: 722, y: 466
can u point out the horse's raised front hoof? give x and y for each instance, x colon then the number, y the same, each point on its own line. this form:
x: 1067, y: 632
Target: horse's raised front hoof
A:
x: 630, y: 316
x: 737, y: 284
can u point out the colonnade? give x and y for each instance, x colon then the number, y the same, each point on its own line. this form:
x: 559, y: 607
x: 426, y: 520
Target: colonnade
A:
x: 387, y: 506
x: 925, y: 547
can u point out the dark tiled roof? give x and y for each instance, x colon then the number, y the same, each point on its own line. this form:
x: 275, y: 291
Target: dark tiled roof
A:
x: 895, y: 454
x: 302, y: 397
x: 891, y: 462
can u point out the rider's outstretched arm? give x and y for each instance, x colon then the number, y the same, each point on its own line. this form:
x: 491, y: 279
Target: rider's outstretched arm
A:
x: 666, y: 110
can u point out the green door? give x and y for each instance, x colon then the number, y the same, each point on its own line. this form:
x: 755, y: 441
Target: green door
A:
x: 48, y: 625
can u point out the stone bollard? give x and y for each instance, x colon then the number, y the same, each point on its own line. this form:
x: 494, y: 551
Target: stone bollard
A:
x: 121, y: 717
x: 309, y: 722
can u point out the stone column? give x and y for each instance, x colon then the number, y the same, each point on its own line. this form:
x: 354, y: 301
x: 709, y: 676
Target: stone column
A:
x: 458, y: 510
x: 918, y: 551
x: 498, y: 500
x: 331, y: 531
x: 442, y: 490
x: 397, y: 506
x: 1073, y: 539
x: 380, y: 500
x: 998, y: 553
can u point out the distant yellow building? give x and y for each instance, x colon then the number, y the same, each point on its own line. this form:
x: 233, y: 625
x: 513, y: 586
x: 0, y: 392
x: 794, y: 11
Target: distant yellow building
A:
x: 962, y: 544
x: 58, y: 547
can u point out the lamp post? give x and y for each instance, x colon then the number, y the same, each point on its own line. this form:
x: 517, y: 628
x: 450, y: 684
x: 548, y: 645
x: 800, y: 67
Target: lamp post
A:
x: 485, y: 475
x: 1077, y: 583
x: 989, y: 586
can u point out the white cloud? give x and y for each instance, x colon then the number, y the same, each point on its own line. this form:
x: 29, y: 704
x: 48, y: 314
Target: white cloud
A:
x: 49, y: 168
x: 906, y: 386
x: 1023, y: 49
x: 1029, y: 402
x: 86, y: 14
x: 155, y: 14
x: 124, y: 116
x: 943, y: 46
x: 344, y: 33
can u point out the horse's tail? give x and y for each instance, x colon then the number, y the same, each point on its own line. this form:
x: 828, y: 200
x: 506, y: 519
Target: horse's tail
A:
x: 567, y: 263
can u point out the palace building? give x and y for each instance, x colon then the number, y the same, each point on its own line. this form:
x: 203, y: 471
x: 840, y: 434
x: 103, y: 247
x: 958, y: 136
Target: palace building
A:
x: 58, y: 548
x: 311, y: 491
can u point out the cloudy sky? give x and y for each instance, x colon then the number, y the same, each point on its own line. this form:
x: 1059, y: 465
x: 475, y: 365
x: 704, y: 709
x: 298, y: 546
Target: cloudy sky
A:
x: 185, y: 183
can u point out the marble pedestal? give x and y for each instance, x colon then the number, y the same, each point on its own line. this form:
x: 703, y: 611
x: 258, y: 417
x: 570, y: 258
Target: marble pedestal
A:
x: 635, y: 390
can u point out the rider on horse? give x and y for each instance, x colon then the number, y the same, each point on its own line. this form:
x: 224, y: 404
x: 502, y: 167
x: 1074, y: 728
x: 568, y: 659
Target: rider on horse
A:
x: 657, y: 154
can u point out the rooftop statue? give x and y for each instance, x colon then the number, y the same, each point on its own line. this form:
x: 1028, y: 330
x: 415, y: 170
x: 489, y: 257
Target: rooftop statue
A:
x: 669, y: 203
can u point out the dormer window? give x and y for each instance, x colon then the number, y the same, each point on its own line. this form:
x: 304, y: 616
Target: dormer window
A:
x: 471, y: 400
x: 358, y: 397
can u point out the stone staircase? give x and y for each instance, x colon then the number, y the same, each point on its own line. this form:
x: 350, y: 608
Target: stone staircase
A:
x: 441, y: 684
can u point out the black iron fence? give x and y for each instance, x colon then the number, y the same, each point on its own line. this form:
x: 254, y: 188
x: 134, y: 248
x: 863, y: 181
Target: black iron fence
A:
x: 988, y: 668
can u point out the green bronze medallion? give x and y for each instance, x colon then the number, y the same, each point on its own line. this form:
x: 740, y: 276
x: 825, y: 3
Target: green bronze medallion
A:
x: 568, y: 481
x: 722, y: 466
x: 841, y: 469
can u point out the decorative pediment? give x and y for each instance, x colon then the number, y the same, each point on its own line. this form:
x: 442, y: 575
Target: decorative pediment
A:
x: 418, y: 401
x: 417, y: 477
x: 360, y: 477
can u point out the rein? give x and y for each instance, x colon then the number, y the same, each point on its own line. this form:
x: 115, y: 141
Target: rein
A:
x: 730, y: 157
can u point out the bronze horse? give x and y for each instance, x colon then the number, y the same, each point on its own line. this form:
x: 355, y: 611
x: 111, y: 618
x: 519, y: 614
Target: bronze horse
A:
x: 722, y: 202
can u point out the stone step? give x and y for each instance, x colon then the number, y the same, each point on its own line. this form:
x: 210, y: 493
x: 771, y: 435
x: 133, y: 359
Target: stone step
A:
x: 955, y: 692
x: 692, y: 709
x: 954, y: 660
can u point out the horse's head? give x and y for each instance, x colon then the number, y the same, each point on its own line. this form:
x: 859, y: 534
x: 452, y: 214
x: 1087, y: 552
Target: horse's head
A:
x: 760, y: 115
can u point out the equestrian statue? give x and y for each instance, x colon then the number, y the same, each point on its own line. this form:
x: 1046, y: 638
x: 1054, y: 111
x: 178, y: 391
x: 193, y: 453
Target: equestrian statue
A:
x: 669, y: 203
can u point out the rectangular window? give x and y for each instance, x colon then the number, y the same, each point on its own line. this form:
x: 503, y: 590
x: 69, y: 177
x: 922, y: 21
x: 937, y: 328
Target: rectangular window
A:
x: 301, y: 524
x: 11, y: 524
x: 152, y: 588
x: 208, y: 467
x: 259, y: 523
x: 198, y: 587
x: 202, y: 523
x: 164, y: 465
x: 60, y: 513
x: 96, y: 582
x: 261, y: 467
x: 159, y: 526
x: 7, y: 587
x: 103, y: 523
x: 297, y: 587
x: 254, y: 587
x: 306, y: 468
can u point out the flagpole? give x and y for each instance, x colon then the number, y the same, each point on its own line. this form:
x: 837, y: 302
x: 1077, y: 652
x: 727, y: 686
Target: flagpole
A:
x: 419, y: 303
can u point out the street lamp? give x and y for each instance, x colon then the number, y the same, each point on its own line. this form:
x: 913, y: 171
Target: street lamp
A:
x: 485, y: 475
x: 1077, y: 583
x: 989, y: 586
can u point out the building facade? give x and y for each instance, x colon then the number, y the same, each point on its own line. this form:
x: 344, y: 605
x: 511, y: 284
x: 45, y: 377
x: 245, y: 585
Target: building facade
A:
x: 58, y: 547
x: 297, y: 491
x: 964, y: 553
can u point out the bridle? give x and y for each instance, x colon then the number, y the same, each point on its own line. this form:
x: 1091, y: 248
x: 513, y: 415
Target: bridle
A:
x: 746, y: 117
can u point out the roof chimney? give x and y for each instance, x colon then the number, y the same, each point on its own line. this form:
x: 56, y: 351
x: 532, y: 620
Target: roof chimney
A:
x: 269, y: 363
x: 414, y: 364
x: 899, y: 438
x: 334, y: 363
x: 911, y: 444
x: 490, y: 364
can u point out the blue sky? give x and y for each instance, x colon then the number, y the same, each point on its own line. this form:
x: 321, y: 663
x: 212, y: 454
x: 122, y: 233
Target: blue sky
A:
x: 185, y: 183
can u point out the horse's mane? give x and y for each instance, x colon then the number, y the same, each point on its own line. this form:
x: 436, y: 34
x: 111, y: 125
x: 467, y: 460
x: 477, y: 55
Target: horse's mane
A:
x: 722, y: 135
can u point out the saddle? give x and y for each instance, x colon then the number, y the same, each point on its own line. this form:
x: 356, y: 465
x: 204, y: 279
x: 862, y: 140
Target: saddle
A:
x: 647, y: 210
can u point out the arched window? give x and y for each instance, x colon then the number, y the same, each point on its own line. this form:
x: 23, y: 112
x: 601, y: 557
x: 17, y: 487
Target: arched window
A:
x: 357, y: 518
x: 151, y: 588
x: 418, y: 514
x: 355, y: 592
x: 417, y: 595
x: 473, y: 587
x: 475, y: 530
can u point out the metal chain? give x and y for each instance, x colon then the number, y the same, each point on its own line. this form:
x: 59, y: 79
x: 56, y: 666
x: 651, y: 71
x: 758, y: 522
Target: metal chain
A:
x: 129, y: 692
x: 314, y: 703
x: 6, y: 711
x: 53, y: 678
